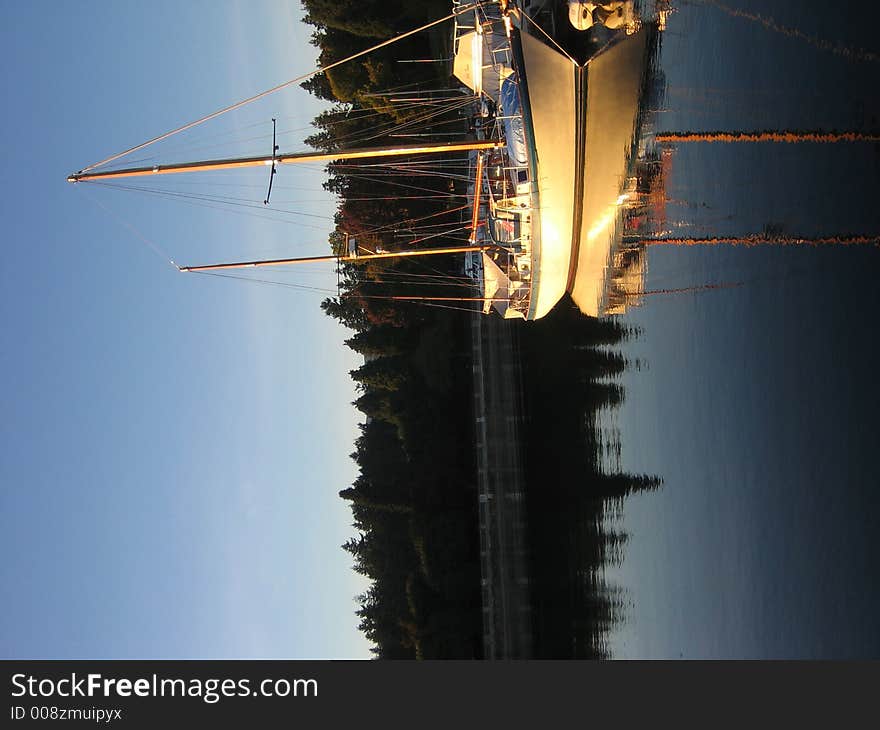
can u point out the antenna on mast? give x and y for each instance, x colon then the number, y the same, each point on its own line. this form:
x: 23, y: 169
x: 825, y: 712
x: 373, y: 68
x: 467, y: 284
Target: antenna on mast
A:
x: 274, y: 164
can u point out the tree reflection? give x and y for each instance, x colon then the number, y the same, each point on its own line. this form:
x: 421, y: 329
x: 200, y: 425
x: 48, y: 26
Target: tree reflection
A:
x: 569, y: 363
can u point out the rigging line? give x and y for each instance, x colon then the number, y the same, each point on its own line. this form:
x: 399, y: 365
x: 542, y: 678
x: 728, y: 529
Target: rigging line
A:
x: 385, y: 277
x: 219, y: 199
x: 401, y: 103
x: 415, y: 262
x: 426, y: 134
x: 416, y: 302
x: 417, y: 298
x: 207, y: 197
x: 473, y: 310
x: 463, y: 239
x: 389, y: 269
x: 449, y: 226
x: 464, y: 218
x: 284, y: 85
x: 395, y: 271
x: 226, y: 143
x: 258, y: 138
x: 390, y: 176
x: 414, y: 161
x: 408, y: 174
x: 393, y: 126
x: 451, y: 98
x: 203, y: 142
x: 202, y: 182
x: 305, y: 272
x: 411, y: 302
x: 406, y: 222
x: 215, y: 205
x: 443, y: 92
x: 438, y: 200
x: 412, y: 166
x: 378, y: 132
x: 457, y: 170
x: 411, y: 163
x: 297, y: 199
x: 161, y: 253
x: 447, y: 106
x: 407, y: 85
x: 367, y: 199
x: 281, y: 133
x: 429, y: 107
x: 548, y: 36
x: 435, y: 198
x: 416, y: 282
x: 420, y: 120
x: 435, y: 235
x: 365, y: 178
x: 219, y: 206
x: 285, y: 284
x: 447, y: 175
x: 360, y: 114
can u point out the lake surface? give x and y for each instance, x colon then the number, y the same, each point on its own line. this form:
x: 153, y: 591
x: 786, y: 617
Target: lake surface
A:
x: 757, y: 403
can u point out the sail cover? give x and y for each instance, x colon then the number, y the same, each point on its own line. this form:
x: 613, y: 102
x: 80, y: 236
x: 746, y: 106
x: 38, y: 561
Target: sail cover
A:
x: 514, y: 134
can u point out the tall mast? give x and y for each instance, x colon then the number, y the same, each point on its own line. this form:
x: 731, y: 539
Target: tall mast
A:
x: 287, y: 159
x: 344, y: 259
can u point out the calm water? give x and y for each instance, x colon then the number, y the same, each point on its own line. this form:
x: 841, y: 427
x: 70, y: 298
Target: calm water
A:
x: 758, y: 404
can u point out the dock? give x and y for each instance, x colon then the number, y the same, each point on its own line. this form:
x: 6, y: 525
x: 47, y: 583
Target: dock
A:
x: 504, y: 563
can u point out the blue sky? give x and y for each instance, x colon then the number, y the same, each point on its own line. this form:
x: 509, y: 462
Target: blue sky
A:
x: 172, y: 445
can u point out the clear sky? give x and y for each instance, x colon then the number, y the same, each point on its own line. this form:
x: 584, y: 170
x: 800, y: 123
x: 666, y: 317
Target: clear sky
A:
x: 172, y: 444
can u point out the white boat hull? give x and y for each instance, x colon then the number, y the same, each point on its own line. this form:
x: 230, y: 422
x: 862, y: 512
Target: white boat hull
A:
x: 582, y: 125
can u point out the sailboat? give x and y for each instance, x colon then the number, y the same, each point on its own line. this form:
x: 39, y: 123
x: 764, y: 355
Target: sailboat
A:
x: 553, y: 134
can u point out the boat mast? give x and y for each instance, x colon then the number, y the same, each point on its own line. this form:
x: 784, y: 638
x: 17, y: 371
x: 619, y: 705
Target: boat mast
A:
x: 286, y: 159
x: 343, y: 259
